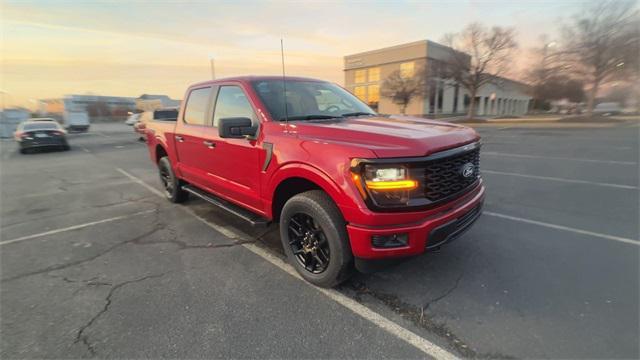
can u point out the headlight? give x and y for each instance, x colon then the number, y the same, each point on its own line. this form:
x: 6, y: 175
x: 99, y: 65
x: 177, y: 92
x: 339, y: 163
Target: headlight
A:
x: 388, y: 178
x: 385, y: 185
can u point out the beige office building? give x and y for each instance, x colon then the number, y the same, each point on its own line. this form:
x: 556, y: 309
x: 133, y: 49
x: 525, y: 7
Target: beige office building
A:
x: 365, y: 73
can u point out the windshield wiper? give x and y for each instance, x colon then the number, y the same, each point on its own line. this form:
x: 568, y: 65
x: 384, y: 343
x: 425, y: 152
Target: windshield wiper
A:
x: 358, y: 113
x: 310, y: 117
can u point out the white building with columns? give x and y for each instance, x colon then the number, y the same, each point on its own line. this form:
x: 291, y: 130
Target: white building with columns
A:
x: 365, y: 73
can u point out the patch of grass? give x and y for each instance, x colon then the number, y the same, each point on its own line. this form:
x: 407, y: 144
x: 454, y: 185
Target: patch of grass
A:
x: 589, y: 119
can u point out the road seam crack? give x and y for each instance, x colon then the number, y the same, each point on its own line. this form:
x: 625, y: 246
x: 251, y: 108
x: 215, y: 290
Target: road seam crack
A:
x: 81, y: 336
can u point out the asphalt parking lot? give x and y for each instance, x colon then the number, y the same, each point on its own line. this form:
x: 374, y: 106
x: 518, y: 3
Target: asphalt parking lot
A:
x: 95, y: 264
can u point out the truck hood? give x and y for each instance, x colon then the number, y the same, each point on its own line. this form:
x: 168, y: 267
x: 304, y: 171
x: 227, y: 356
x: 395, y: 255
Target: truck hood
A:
x: 395, y: 136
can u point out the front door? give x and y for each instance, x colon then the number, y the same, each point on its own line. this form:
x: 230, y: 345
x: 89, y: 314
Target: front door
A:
x: 236, y: 169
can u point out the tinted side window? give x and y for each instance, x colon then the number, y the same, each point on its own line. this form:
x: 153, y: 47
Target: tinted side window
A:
x: 165, y: 115
x: 196, y: 108
x: 232, y: 102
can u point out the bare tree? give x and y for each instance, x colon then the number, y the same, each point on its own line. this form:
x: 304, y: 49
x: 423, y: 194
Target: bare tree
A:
x: 547, y: 67
x: 477, y: 56
x: 401, y: 89
x: 602, y: 45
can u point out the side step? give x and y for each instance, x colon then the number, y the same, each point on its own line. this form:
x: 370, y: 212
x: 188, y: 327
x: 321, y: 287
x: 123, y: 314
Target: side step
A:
x: 253, y: 219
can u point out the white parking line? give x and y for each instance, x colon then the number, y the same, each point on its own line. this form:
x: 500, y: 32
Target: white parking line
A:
x: 574, y: 181
x: 565, y: 228
x: 389, y: 326
x: 75, y: 227
x: 491, y: 153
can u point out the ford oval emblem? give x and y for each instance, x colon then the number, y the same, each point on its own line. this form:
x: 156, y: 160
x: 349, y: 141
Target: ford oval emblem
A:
x: 467, y: 170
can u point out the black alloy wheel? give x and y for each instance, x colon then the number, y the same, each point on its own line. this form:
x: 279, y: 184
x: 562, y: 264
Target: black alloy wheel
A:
x: 308, y: 243
x: 166, y: 180
x: 170, y: 183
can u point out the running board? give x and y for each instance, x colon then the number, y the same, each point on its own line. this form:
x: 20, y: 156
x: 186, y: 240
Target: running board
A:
x: 253, y: 219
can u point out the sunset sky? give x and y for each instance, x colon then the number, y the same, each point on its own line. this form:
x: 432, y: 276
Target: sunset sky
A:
x: 127, y: 48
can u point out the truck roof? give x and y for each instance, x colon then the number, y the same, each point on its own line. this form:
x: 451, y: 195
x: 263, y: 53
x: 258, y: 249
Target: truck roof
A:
x: 249, y: 78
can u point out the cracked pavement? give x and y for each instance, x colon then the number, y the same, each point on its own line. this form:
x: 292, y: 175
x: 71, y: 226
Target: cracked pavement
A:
x: 162, y: 284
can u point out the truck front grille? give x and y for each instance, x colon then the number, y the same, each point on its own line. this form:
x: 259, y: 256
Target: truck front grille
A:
x: 444, y: 177
x: 441, y: 175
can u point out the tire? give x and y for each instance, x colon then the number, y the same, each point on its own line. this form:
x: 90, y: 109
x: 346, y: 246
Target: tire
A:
x: 66, y: 148
x: 23, y: 151
x: 170, y: 183
x: 326, y: 231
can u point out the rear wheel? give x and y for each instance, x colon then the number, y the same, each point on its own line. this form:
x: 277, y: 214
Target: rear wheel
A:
x: 170, y: 183
x: 314, y: 237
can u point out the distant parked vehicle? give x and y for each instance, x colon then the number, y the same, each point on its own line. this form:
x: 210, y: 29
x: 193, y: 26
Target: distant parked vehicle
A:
x: 40, y: 134
x: 167, y: 114
x: 43, y: 119
x: 76, y: 120
x: 608, y: 108
x: 133, y: 119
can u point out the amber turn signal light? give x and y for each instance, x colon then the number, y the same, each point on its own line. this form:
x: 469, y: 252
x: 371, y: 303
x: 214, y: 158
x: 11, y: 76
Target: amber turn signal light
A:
x: 392, y: 185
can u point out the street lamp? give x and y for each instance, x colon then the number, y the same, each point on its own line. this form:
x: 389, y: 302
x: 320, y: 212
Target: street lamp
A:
x: 213, y: 66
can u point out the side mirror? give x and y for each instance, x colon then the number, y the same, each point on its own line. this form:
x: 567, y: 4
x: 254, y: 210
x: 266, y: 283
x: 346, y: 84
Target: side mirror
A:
x: 236, y: 128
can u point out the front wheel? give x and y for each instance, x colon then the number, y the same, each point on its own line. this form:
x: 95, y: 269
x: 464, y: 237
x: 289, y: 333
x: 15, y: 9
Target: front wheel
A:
x: 170, y: 183
x: 315, y: 240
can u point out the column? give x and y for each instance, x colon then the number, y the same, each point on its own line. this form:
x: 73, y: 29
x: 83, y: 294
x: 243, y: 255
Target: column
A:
x: 448, y: 97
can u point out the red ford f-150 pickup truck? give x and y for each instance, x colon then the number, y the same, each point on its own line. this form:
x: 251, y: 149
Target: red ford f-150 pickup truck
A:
x: 346, y: 185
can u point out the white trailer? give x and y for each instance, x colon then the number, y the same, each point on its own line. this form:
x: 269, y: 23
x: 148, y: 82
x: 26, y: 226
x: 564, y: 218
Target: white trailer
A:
x: 76, y: 120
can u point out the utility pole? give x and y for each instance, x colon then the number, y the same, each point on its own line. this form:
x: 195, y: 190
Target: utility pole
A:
x: 213, y: 67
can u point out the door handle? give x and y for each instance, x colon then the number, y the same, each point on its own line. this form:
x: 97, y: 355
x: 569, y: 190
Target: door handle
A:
x: 209, y: 144
x: 179, y: 138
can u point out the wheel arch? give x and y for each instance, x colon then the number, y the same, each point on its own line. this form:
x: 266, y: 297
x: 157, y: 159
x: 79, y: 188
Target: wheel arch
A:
x: 159, y: 152
x: 295, y: 179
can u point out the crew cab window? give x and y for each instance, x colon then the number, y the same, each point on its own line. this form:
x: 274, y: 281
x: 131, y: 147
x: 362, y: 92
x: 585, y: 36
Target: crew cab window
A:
x: 232, y: 102
x: 196, y: 107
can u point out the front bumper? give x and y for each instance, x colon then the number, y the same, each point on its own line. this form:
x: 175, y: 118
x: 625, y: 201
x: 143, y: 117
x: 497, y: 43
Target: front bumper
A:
x: 432, y: 230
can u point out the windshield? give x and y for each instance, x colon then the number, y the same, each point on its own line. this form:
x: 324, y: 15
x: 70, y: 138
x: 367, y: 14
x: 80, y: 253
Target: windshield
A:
x: 309, y: 100
x: 41, y: 126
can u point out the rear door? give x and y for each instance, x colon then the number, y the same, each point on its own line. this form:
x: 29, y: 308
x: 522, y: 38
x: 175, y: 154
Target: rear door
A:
x: 192, y: 137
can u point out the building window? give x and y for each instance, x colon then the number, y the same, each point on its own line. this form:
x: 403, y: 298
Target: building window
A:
x: 432, y: 97
x: 374, y: 74
x: 361, y: 76
x: 456, y: 90
x: 360, y: 92
x: 440, y: 95
x: 374, y: 93
x: 373, y: 96
x: 407, y: 69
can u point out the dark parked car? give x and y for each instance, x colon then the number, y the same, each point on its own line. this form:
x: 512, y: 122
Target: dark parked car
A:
x: 41, y: 134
